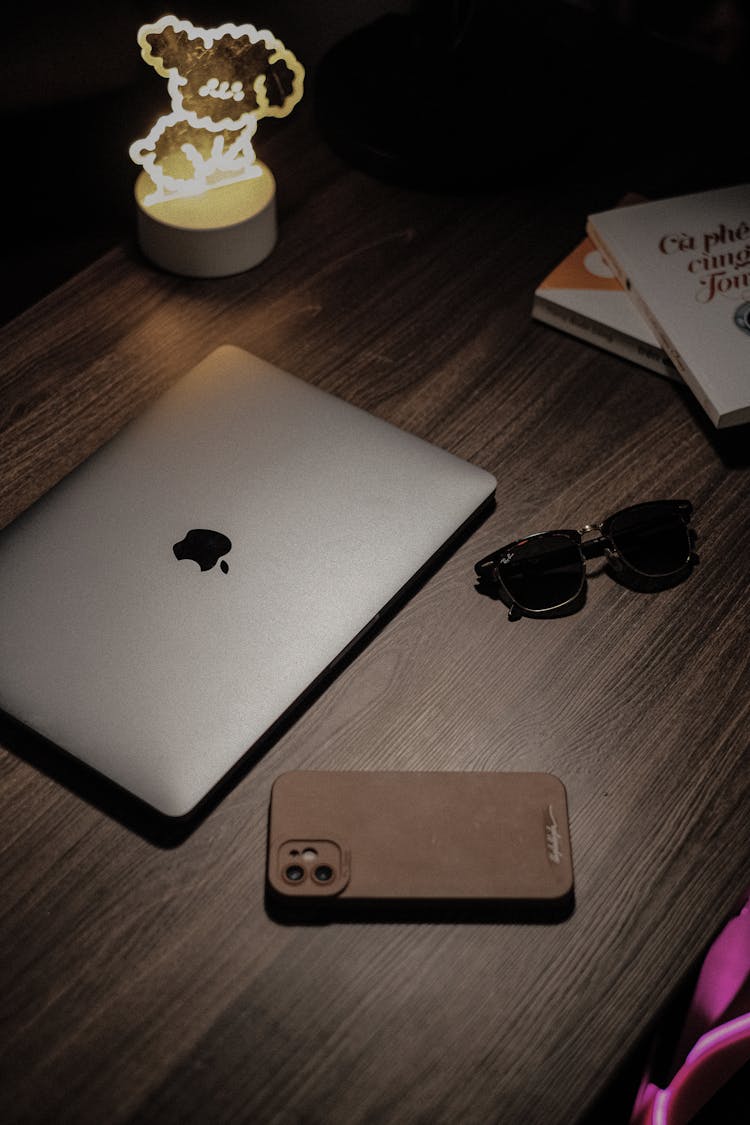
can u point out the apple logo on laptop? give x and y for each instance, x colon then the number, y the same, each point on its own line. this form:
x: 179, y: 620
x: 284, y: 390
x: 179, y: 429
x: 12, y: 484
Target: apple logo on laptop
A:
x: 204, y: 547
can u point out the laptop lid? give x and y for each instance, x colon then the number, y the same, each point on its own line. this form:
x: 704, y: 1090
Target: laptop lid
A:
x: 172, y: 598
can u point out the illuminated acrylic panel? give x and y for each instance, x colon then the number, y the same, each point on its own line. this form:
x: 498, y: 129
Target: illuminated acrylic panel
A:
x: 221, y: 82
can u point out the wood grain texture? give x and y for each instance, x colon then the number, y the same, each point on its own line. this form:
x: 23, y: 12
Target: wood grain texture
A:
x: 145, y: 983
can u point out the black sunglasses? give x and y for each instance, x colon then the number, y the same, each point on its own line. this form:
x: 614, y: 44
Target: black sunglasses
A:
x: 650, y: 544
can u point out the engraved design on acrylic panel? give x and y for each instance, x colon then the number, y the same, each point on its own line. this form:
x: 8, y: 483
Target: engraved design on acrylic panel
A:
x: 221, y: 82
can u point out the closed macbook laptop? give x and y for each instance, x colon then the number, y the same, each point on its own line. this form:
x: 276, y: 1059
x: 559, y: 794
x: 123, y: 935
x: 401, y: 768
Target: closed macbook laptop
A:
x: 170, y: 600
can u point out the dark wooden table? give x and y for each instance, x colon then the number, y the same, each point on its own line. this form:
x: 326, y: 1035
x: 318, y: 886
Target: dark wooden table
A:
x: 143, y: 982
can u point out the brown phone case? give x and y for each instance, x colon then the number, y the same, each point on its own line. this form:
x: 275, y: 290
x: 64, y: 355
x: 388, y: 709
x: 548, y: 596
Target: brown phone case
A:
x: 456, y: 839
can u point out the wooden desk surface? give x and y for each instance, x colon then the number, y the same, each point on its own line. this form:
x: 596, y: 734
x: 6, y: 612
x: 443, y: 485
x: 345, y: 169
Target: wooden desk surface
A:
x: 147, y: 983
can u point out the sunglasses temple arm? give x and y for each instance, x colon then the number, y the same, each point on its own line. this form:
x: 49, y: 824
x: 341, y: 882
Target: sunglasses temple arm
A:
x: 485, y: 568
x: 485, y: 571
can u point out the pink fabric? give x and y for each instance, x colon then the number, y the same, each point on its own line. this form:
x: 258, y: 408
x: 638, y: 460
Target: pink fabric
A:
x: 715, y: 1038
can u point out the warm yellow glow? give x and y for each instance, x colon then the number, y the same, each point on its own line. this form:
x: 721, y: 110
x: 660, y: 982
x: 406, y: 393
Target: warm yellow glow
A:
x: 221, y: 81
x: 231, y: 204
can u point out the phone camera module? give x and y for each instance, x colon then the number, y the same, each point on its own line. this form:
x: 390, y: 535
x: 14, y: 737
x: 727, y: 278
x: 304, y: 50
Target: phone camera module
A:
x: 294, y: 873
x: 323, y: 873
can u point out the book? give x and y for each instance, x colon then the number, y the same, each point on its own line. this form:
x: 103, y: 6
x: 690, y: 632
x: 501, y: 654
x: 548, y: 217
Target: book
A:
x: 582, y: 296
x: 685, y: 263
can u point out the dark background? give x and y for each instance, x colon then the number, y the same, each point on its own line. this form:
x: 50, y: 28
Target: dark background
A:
x: 648, y: 97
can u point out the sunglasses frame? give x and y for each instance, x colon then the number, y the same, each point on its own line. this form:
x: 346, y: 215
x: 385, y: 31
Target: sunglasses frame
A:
x: 488, y: 568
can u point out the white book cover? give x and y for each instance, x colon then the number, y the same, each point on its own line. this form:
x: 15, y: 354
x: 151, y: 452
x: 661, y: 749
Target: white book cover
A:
x: 685, y: 262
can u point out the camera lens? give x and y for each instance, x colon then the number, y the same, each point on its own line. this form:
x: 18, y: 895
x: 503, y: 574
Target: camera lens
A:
x: 294, y: 873
x: 323, y: 873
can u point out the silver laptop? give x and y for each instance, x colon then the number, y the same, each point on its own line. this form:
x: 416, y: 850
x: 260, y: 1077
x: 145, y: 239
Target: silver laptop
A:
x: 170, y: 600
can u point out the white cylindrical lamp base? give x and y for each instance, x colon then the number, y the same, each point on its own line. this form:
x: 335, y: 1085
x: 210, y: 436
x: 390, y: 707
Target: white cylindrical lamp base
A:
x: 224, y: 231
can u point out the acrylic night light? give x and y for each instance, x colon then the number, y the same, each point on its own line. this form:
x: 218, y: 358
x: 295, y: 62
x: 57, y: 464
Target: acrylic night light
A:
x: 206, y: 206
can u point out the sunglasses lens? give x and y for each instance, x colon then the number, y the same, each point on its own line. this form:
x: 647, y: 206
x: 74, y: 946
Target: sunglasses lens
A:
x: 543, y: 572
x: 652, y: 538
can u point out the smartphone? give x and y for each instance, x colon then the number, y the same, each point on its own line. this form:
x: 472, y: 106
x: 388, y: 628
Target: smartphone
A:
x: 351, y: 843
